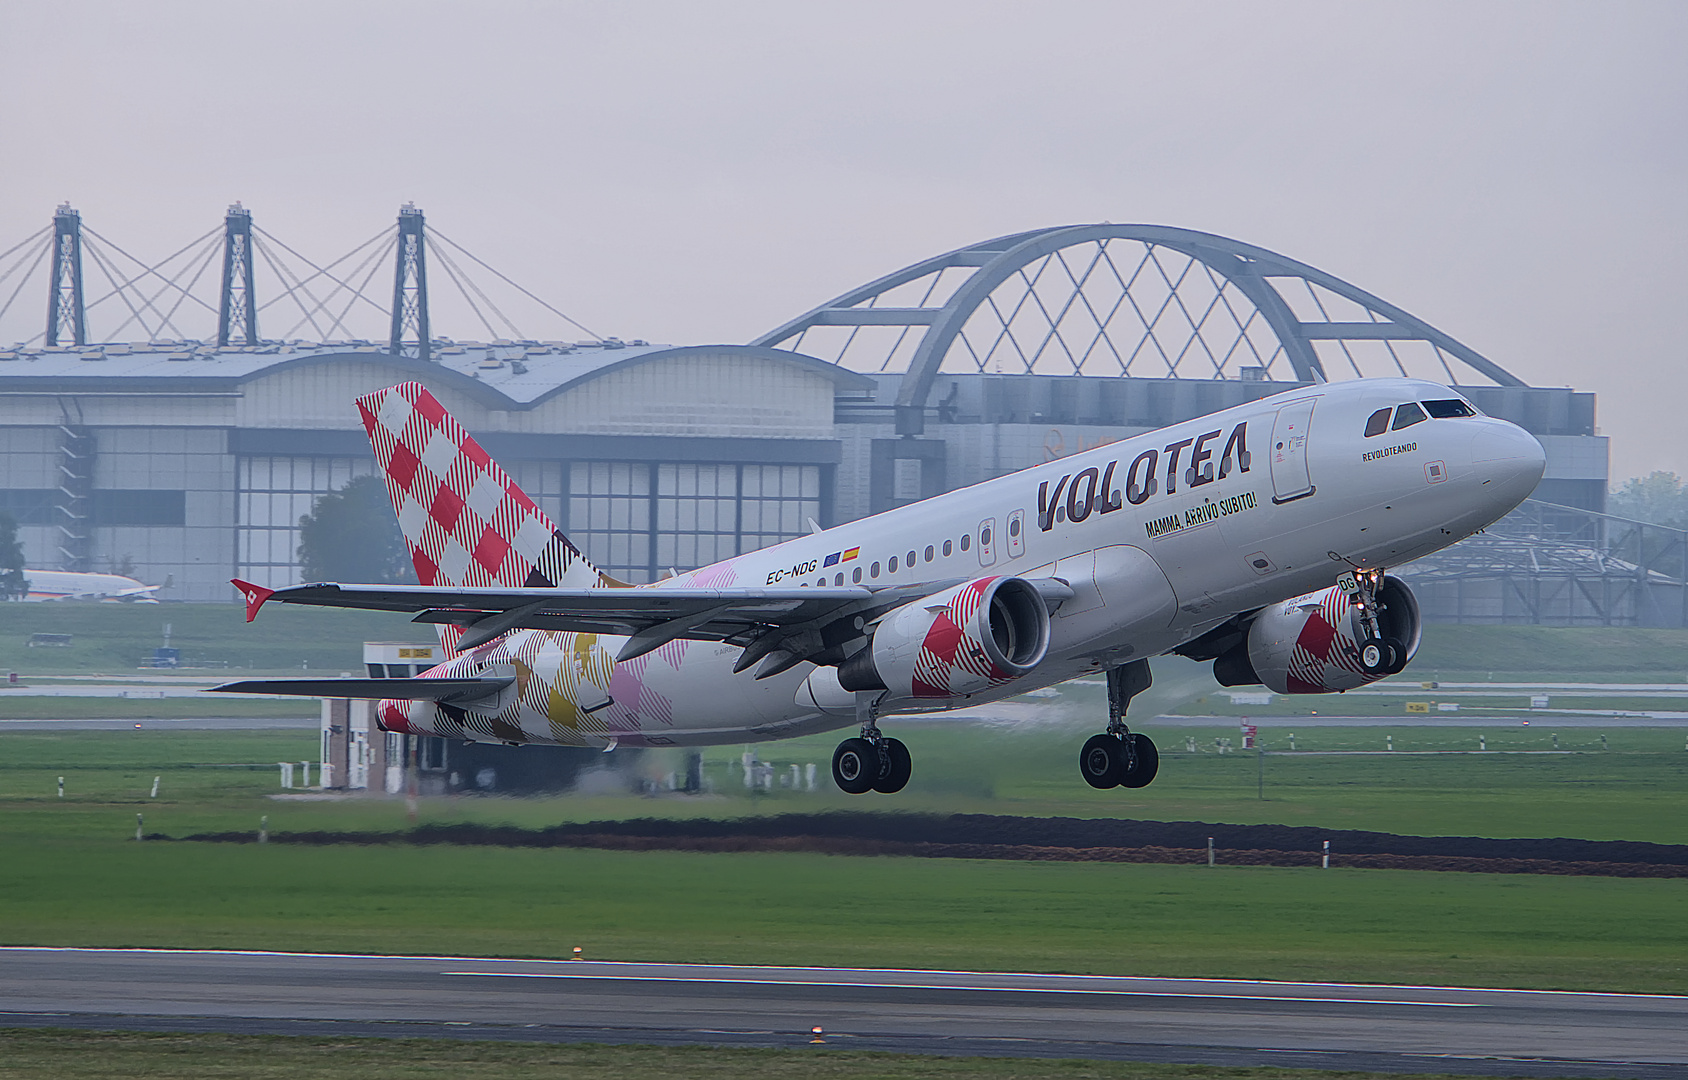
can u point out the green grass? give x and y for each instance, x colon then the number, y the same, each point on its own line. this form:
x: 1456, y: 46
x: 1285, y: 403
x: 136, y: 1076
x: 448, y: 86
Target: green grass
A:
x: 79, y: 1055
x: 1247, y: 922
x: 15, y: 706
x: 74, y: 875
x: 113, y: 638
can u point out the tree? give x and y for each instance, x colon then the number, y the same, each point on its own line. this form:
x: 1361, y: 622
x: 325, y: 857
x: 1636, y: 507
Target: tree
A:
x: 1659, y: 498
x: 13, y: 586
x: 351, y: 535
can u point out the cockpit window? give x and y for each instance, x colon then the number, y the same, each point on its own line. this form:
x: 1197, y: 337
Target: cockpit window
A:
x: 1449, y: 408
x: 1377, y: 423
x: 1408, y: 415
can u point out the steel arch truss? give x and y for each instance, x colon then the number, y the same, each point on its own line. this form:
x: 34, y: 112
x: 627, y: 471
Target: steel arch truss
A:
x: 1146, y: 301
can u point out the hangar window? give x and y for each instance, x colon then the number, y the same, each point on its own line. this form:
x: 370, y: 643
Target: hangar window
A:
x: 28, y: 506
x: 1408, y: 415
x: 139, y: 506
x: 1449, y: 408
x: 271, y: 494
x: 1377, y: 423
x: 636, y: 519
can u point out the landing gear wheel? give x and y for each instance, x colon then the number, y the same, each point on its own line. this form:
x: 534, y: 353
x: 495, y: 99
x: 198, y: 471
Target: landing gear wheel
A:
x: 1145, y: 765
x: 1101, y: 761
x: 899, y: 766
x: 856, y: 765
x: 1375, y: 656
x: 1397, y: 655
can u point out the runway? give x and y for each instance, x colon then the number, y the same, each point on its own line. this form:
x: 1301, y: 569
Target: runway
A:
x: 1198, y: 1021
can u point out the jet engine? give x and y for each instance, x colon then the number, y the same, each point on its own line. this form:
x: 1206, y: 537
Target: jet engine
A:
x: 1320, y: 642
x: 954, y: 643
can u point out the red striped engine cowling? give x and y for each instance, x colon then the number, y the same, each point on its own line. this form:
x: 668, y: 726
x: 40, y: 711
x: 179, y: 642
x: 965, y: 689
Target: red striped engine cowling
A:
x: 1311, y: 644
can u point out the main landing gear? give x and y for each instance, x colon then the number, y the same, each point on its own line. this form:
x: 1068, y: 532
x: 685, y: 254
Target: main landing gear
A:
x: 1119, y: 757
x: 871, y: 761
x: 1379, y: 655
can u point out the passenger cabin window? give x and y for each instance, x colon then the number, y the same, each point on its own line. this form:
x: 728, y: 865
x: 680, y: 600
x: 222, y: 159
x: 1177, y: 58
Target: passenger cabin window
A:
x: 966, y: 542
x: 1378, y: 423
x: 948, y: 547
x: 1449, y: 408
x: 1408, y: 415
x: 928, y: 552
x: 893, y: 564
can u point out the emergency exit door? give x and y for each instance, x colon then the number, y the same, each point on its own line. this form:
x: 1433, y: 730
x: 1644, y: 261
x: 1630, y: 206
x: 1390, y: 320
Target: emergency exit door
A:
x: 1289, y: 451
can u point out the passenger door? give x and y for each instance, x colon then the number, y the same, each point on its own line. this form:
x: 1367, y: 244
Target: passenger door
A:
x: 1289, y: 451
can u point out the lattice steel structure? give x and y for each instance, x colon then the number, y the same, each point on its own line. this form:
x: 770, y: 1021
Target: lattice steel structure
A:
x: 66, y: 312
x: 1147, y: 301
x: 410, y: 336
x: 1560, y: 565
x: 238, y: 309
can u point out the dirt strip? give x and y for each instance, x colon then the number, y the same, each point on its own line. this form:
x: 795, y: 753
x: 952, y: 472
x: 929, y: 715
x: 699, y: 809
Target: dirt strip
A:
x: 982, y: 836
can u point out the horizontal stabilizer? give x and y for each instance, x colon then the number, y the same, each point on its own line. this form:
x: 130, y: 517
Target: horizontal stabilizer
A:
x: 447, y: 690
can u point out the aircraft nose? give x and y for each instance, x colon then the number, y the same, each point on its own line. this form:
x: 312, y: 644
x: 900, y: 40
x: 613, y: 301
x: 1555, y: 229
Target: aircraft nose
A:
x: 1508, y: 458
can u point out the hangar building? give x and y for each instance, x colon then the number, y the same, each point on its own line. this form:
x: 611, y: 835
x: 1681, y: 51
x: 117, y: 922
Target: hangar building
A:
x: 193, y: 462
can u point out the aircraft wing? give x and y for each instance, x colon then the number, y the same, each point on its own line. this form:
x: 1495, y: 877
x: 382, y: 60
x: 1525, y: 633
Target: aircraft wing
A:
x: 811, y: 622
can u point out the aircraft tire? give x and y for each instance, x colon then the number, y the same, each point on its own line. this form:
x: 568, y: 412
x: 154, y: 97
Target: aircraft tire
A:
x: 1397, y: 655
x: 1100, y: 761
x: 855, y: 766
x: 1145, y: 767
x: 900, y: 766
x: 1375, y: 656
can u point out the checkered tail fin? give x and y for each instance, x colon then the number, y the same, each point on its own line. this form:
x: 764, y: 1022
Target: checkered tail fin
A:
x: 465, y: 520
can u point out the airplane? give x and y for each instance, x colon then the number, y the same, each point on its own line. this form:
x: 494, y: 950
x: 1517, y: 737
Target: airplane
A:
x: 1257, y: 538
x: 68, y: 585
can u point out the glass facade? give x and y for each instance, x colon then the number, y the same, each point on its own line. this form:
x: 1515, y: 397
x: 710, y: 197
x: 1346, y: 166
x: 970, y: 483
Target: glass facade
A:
x: 637, y: 520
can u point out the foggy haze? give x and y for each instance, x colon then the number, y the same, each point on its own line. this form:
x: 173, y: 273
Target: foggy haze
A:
x: 1511, y: 173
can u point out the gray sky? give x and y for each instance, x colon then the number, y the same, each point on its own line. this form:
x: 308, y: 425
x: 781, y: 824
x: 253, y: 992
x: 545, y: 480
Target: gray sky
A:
x: 1513, y: 173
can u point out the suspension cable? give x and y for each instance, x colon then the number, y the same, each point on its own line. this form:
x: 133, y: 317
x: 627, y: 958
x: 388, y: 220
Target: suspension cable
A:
x: 512, y: 284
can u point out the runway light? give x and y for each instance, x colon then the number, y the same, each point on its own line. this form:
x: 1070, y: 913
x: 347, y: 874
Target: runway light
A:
x: 819, y: 1035
x: 137, y: 727
x: 577, y: 955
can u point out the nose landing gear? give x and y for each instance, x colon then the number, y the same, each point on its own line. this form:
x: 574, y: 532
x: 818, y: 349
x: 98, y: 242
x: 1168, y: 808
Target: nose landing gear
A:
x: 871, y: 761
x: 1379, y: 655
x: 1120, y: 757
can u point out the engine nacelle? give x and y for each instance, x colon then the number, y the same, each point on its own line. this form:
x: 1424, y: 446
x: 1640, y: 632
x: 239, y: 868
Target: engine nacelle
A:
x: 1311, y: 644
x: 954, y: 643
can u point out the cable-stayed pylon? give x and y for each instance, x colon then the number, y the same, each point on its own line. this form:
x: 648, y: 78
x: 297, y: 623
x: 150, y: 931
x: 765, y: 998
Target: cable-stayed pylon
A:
x: 238, y: 309
x: 410, y: 288
x: 65, y: 310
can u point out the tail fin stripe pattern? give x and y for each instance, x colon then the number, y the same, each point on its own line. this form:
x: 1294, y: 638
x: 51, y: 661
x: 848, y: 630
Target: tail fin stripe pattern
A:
x: 466, y: 521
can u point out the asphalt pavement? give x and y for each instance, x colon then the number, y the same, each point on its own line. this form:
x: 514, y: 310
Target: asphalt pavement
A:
x: 1200, y: 1021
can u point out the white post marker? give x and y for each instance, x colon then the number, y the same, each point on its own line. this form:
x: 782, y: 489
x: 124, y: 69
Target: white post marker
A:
x: 155, y: 781
x: 1390, y: 741
x: 286, y: 774
x: 1292, y: 740
x: 61, y: 787
x: 264, y: 829
x: 305, y: 768
x: 1483, y: 742
x: 1210, y: 851
x: 809, y: 776
x: 1324, y: 860
x: 138, y: 823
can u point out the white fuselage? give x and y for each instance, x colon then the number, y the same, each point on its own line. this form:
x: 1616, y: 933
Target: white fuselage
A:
x: 1161, y: 537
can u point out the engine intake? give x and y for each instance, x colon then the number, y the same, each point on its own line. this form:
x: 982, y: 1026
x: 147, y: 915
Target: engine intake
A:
x: 1311, y: 643
x: 954, y: 643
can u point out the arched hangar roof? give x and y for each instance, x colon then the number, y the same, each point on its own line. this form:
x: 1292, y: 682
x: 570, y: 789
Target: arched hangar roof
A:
x: 1147, y: 301
x: 508, y: 378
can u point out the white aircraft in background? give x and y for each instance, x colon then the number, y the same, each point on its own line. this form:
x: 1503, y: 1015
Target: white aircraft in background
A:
x: 70, y: 585
x: 1255, y: 537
